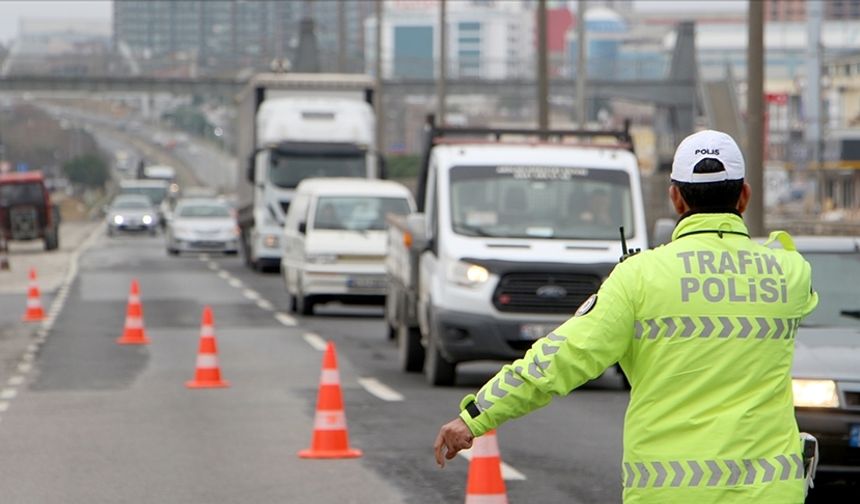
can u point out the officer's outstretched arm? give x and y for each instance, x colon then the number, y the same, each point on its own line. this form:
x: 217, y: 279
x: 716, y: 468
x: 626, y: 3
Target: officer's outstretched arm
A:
x: 579, y: 350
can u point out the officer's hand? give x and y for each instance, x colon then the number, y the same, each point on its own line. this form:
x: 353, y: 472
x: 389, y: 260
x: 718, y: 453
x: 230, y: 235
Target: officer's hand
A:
x: 453, y: 437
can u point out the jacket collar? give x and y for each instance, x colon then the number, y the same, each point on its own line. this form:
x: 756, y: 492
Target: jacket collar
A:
x: 710, y: 222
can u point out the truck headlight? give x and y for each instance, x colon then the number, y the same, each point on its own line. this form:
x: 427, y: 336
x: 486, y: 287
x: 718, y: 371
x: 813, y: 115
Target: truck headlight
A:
x: 321, y: 258
x: 117, y: 219
x: 147, y: 219
x: 467, y: 274
x: 815, y: 393
x: 270, y: 241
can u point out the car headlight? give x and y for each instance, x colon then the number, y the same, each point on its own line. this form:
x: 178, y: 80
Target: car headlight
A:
x: 467, y: 274
x: 321, y: 258
x: 117, y: 219
x: 147, y: 219
x: 815, y: 393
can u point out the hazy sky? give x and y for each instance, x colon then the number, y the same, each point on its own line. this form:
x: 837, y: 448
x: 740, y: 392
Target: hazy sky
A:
x: 12, y: 11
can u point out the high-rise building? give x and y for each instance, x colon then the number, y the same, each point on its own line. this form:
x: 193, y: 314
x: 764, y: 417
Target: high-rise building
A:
x: 485, y: 39
x: 795, y: 10
x: 228, y: 35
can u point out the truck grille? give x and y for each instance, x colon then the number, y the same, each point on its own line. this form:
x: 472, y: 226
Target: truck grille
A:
x: 24, y: 222
x: 544, y: 292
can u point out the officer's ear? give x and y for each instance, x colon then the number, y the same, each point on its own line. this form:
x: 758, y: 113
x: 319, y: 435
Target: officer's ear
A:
x: 681, y: 206
x: 744, y: 198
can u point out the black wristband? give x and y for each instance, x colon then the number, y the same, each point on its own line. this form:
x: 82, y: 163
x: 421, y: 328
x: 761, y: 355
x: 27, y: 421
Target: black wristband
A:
x: 472, y: 409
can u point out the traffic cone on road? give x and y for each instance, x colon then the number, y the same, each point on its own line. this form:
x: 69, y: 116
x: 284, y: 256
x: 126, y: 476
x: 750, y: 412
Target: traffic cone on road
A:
x: 134, y: 333
x: 34, y: 312
x: 485, y: 484
x: 208, y: 374
x: 330, y: 438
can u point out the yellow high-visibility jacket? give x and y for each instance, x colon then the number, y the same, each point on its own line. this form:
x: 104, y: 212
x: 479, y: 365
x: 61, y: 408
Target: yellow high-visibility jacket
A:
x: 704, y: 329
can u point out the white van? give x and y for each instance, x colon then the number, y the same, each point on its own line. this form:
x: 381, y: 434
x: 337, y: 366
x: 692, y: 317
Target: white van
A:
x: 335, y: 240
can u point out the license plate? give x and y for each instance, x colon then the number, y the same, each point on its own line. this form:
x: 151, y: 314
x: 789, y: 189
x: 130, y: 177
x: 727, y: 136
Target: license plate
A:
x: 535, y: 331
x: 365, y: 283
x: 854, y: 436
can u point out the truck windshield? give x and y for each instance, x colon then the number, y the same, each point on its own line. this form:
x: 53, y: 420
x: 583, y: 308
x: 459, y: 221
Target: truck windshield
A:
x: 155, y: 194
x: 553, y: 202
x: 357, y: 213
x: 17, y: 194
x: 288, y: 170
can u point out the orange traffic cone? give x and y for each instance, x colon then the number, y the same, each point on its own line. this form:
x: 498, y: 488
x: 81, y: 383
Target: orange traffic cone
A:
x: 485, y: 484
x: 330, y: 439
x: 34, y: 312
x: 208, y: 374
x: 134, y: 333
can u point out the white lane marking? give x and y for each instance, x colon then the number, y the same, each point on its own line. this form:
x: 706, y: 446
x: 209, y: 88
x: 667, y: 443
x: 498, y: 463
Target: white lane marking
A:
x: 33, y: 347
x: 380, y: 389
x: 203, y: 257
x: 28, y: 357
x: 4, y: 406
x: 224, y: 275
x: 286, y: 319
x: 265, y: 305
x: 25, y: 367
x: 315, y: 341
x: 508, y: 472
x: 235, y: 282
x: 213, y: 266
x: 8, y: 393
x: 16, y: 380
x: 251, y: 294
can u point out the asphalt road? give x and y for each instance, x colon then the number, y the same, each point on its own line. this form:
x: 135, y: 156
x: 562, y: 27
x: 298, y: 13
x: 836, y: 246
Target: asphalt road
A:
x: 84, y: 420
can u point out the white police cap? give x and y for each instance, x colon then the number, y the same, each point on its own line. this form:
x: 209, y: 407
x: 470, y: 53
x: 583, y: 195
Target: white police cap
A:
x: 708, y: 144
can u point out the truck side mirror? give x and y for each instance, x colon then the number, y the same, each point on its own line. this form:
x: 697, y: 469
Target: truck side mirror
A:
x: 662, y: 232
x: 303, y: 227
x: 416, y: 224
x: 249, y: 173
x: 382, y: 166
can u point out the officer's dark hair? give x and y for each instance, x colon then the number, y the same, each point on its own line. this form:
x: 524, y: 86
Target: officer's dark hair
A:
x: 711, y: 196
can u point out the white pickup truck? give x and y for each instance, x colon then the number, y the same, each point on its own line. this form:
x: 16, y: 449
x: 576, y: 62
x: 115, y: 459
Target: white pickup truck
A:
x: 514, y: 230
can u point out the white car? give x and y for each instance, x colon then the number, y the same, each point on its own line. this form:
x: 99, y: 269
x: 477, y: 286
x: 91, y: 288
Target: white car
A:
x: 202, y: 225
x: 335, y: 240
x: 131, y: 212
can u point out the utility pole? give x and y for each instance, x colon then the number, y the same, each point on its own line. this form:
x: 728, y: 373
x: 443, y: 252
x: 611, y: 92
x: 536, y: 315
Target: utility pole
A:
x: 542, y: 91
x: 377, y: 100
x: 755, y: 115
x: 443, y: 64
x: 581, y: 70
x: 812, y: 95
x: 341, y: 36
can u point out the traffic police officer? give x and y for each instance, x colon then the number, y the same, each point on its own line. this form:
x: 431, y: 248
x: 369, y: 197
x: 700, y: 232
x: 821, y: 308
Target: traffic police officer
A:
x: 703, y: 328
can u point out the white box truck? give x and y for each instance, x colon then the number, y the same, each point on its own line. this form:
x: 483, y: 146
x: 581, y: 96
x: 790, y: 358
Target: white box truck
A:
x: 292, y: 127
x: 514, y: 230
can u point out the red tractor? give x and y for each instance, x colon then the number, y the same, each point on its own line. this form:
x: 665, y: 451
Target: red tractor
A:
x: 26, y: 212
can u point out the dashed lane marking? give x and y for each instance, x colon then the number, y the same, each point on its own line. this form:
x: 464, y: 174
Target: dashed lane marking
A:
x: 380, y: 389
x: 235, y: 282
x: 286, y: 319
x: 4, y: 406
x: 315, y: 341
x: 224, y: 275
x: 15, y: 380
x: 8, y: 393
x: 251, y: 294
x: 212, y: 266
x: 265, y: 305
x: 25, y: 367
x: 508, y: 472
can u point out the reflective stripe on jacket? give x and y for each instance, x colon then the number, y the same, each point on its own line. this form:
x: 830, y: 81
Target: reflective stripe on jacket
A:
x: 704, y: 329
